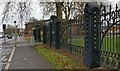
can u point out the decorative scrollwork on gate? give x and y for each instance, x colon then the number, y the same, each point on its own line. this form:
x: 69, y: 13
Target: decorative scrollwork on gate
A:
x: 110, y: 35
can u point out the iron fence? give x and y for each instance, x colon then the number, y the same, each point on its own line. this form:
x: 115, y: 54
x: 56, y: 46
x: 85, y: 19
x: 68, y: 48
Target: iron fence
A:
x: 105, y: 27
x: 109, y: 36
x: 72, y: 37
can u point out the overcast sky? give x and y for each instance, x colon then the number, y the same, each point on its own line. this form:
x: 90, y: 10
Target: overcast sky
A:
x: 115, y: 1
x: 36, y: 13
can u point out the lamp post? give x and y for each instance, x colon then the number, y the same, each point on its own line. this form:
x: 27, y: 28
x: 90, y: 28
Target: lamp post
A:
x: 15, y: 32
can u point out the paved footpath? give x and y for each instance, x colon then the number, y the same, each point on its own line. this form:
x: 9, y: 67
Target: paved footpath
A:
x: 26, y: 57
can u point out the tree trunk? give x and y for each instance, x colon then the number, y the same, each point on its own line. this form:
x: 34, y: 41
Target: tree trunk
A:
x: 59, y: 10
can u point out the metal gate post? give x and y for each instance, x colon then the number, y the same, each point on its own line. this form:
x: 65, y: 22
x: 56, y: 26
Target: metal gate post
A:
x: 53, y: 31
x: 34, y: 34
x: 57, y: 29
x: 38, y: 34
x: 54, y: 26
x: 92, y: 35
x: 44, y: 34
x: 50, y: 33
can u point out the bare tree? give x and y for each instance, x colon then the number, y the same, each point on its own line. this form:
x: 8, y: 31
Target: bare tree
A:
x: 24, y: 11
x: 7, y: 11
x: 19, y: 11
x: 68, y: 8
x: 49, y: 8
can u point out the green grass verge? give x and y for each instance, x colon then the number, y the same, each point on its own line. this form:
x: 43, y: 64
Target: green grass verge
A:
x: 28, y: 39
x: 57, y: 60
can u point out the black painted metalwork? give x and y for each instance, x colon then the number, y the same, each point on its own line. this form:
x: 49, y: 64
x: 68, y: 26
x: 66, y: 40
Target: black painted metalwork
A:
x: 34, y: 34
x: 72, y: 31
x: 103, y: 35
x: 92, y: 35
x: 38, y: 33
x: 110, y: 36
x: 55, y: 26
x: 50, y: 33
x: 45, y: 34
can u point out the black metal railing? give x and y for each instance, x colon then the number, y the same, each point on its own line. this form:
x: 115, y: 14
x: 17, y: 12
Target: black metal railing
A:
x: 77, y: 50
x: 72, y: 35
x: 110, y: 35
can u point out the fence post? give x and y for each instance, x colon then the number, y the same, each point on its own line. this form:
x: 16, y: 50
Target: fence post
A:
x: 34, y: 34
x: 32, y: 39
x: 57, y: 29
x: 92, y: 35
x: 54, y: 26
x: 50, y: 33
x: 37, y: 33
x: 44, y: 34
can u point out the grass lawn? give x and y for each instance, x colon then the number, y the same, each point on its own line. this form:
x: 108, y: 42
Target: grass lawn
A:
x: 57, y: 60
x: 109, y: 44
x: 78, y: 41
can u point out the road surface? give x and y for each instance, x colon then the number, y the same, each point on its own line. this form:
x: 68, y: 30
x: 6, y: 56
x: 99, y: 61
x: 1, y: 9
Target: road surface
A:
x: 5, y: 51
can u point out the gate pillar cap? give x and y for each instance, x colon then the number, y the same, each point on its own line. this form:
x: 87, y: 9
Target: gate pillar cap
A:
x: 53, y: 17
x: 90, y: 6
